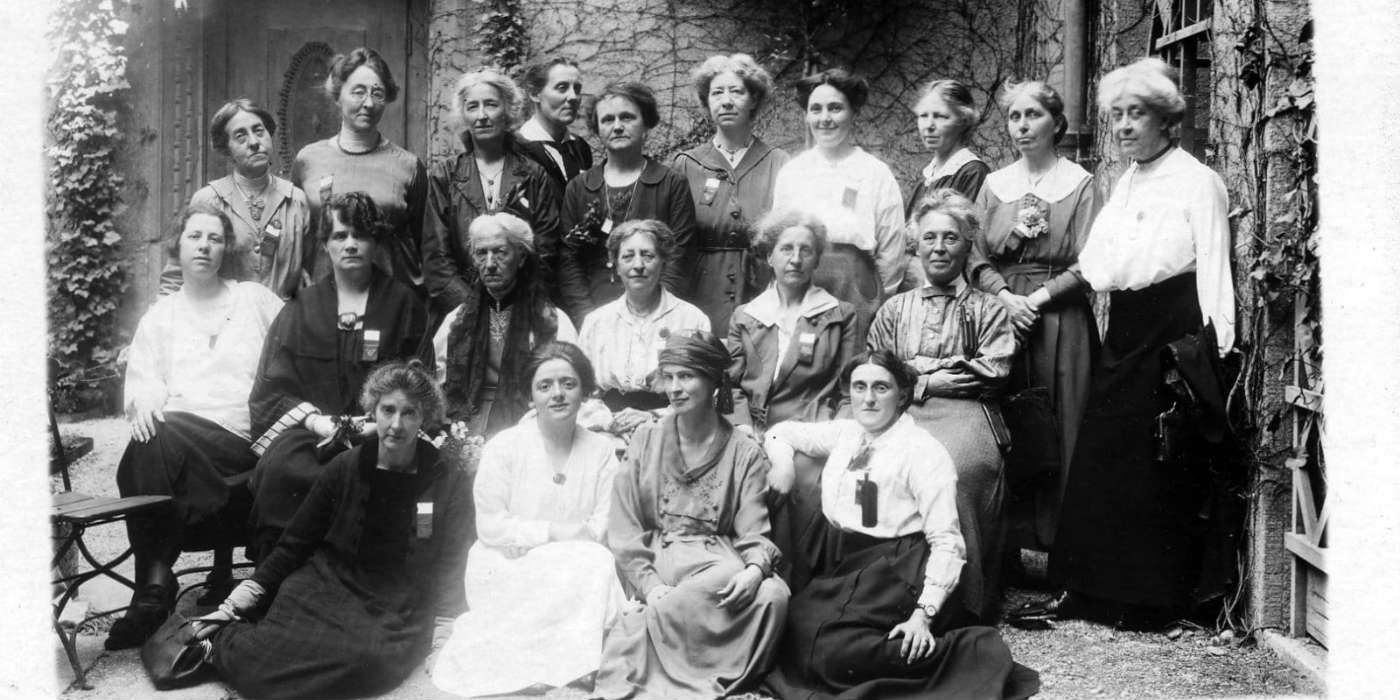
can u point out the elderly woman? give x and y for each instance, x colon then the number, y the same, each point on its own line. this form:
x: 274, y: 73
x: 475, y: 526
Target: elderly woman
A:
x: 483, y: 344
x: 731, y: 180
x: 947, y: 116
x: 368, y: 575
x: 491, y: 175
x: 270, y: 216
x: 1161, y: 249
x: 189, y: 369
x: 1038, y: 211
x: 359, y: 159
x: 628, y: 185
x: 960, y: 342
x: 541, y: 585
x: 689, y: 529
x: 875, y: 621
x: 624, y: 336
x: 853, y: 192
x: 317, y: 354
x: 555, y: 89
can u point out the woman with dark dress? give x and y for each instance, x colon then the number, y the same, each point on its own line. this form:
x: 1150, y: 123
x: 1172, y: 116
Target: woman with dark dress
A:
x: 360, y: 159
x: 1038, y: 211
x: 367, y: 579
x: 317, y: 355
x: 188, y: 372
x: 555, y: 89
x: 876, y: 620
x: 960, y: 342
x: 731, y: 180
x: 1132, y: 534
x: 628, y: 185
x: 490, y: 175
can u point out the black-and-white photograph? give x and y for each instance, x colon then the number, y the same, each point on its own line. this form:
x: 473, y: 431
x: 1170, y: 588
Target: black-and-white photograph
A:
x: 758, y: 349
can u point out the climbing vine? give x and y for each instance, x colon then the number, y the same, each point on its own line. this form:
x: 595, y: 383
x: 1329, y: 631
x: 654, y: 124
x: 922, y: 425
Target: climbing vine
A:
x: 87, y: 89
x: 505, y: 38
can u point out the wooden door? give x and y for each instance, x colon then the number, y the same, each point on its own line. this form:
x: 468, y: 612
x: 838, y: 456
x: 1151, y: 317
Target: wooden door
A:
x: 278, y: 52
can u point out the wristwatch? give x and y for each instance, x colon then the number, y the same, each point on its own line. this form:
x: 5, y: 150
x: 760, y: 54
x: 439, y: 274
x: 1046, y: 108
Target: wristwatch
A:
x: 929, y: 611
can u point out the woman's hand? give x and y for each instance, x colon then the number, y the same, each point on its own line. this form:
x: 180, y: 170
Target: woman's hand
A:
x: 918, y: 640
x: 564, y: 532
x: 208, y: 624
x: 143, y: 419
x: 949, y: 383
x: 741, y: 589
x: 658, y: 592
x: 1023, y: 313
x: 627, y: 420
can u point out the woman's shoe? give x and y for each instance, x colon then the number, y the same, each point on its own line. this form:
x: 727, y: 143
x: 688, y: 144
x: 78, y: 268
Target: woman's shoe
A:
x: 1039, y: 614
x: 146, y: 614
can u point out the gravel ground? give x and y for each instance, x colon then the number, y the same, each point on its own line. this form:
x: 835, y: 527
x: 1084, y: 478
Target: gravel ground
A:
x: 1075, y: 660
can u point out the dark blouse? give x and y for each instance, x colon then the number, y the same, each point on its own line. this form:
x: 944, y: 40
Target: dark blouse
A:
x: 966, y: 180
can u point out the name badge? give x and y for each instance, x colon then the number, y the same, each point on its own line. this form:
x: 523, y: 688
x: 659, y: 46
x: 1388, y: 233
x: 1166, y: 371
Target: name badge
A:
x: 806, y: 347
x: 423, y: 523
x: 848, y: 198
x: 272, y: 233
x: 607, y: 226
x: 711, y: 189
x: 369, y: 349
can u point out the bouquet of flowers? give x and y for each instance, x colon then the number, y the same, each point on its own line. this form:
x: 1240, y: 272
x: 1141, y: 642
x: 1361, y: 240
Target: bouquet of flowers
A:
x: 460, y: 445
x: 589, y: 230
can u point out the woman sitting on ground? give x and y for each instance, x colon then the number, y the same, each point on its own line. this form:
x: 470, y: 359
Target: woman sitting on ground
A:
x: 689, y: 529
x: 960, y: 341
x: 623, y: 337
x: 318, y: 352
x: 876, y: 621
x: 368, y: 574
x: 188, y: 373
x: 541, y: 585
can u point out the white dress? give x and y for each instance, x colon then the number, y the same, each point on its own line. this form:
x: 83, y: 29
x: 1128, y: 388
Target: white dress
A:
x: 537, y: 617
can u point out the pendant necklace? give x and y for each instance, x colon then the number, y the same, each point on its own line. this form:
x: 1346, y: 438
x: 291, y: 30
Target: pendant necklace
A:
x: 256, y: 205
x: 489, y: 182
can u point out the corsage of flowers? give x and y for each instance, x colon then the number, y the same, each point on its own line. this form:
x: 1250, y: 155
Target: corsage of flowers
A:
x: 1032, y: 220
x: 588, y: 230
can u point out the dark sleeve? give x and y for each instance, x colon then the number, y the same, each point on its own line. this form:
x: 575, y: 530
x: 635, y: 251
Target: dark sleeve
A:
x: 276, y: 401
x: 968, y: 179
x: 416, y: 199
x: 545, y: 199
x: 415, y: 340
x: 738, y: 365
x: 454, y: 517
x: 309, y: 526
x: 836, y: 393
x: 680, y: 216
x: 573, y: 283
x: 980, y: 270
x: 309, y: 240
x: 440, y: 270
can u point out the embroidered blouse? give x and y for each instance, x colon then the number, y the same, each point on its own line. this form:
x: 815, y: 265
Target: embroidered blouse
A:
x: 916, y: 482
x: 1163, y: 219
x: 623, y: 346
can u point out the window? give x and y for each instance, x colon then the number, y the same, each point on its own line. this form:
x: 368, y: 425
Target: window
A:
x: 1181, y: 37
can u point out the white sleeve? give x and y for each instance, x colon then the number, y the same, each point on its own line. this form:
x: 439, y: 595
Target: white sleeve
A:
x: 935, y: 490
x: 440, y: 346
x: 597, y: 523
x: 1215, y: 287
x: 495, y: 525
x: 812, y: 439
x: 890, y: 259
x: 566, y: 331
x: 146, y: 365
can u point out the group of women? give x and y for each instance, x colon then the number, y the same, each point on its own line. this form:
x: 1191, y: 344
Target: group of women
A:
x: 802, y: 373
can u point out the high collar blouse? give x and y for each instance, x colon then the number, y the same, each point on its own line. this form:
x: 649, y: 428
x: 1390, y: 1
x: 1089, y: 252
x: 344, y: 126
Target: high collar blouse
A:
x: 1163, y: 219
x: 916, y: 485
x: 623, y: 346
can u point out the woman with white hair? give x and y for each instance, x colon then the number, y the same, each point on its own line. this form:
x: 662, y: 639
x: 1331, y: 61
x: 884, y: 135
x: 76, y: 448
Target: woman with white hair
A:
x: 490, y: 175
x: 482, y: 346
x: 731, y: 179
x: 1129, y: 545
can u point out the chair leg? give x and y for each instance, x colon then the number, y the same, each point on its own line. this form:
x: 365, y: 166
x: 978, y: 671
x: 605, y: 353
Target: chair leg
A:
x: 70, y: 647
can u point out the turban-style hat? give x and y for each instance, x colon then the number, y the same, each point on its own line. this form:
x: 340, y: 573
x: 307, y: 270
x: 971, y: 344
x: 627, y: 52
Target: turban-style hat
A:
x: 704, y: 353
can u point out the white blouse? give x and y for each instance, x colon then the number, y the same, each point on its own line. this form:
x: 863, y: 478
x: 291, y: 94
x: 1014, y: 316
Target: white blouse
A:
x: 916, y: 481
x: 1163, y: 219
x: 517, y: 497
x: 176, y: 362
x: 624, y: 346
x: 859, y: 201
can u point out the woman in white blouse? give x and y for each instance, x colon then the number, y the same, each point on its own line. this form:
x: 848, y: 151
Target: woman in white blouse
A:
x: 189, y: 371
x: 852, y: 192
x: 874, y: 621
x: 623, y: 336
x: 1129, y: 539
x: 541, y: 586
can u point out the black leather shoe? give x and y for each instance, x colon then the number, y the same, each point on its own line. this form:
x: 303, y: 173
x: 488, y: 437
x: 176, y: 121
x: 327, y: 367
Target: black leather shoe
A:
x: 146, y: 614
x: 1039, y: 614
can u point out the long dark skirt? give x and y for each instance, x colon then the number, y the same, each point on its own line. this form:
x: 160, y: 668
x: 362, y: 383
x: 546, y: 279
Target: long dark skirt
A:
x: 835, y: 643
x: 331, y: 632
x: 1129, y: 530
x: 188, y: 459
x: 1058, y: 358
x: 849, y: 273
x: 280, y: 483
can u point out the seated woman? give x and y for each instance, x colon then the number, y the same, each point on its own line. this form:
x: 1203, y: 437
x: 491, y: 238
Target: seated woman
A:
x: 623, y: 336
x: 482, y: 346
x: 368, y: 573
x: 317, y: 355
x: 874, y: 622
x: 689, y: 529
x: 541, y: 586
x: 188, y: 373
x: 961, y: 342
x: 788, y: 347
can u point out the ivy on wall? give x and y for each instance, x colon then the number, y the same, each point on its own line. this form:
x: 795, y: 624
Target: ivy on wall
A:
x: 505, y: 38
x: 87, y: 88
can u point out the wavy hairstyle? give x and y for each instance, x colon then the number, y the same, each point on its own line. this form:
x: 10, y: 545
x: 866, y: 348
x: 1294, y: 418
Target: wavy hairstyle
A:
x: 414, y: 380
